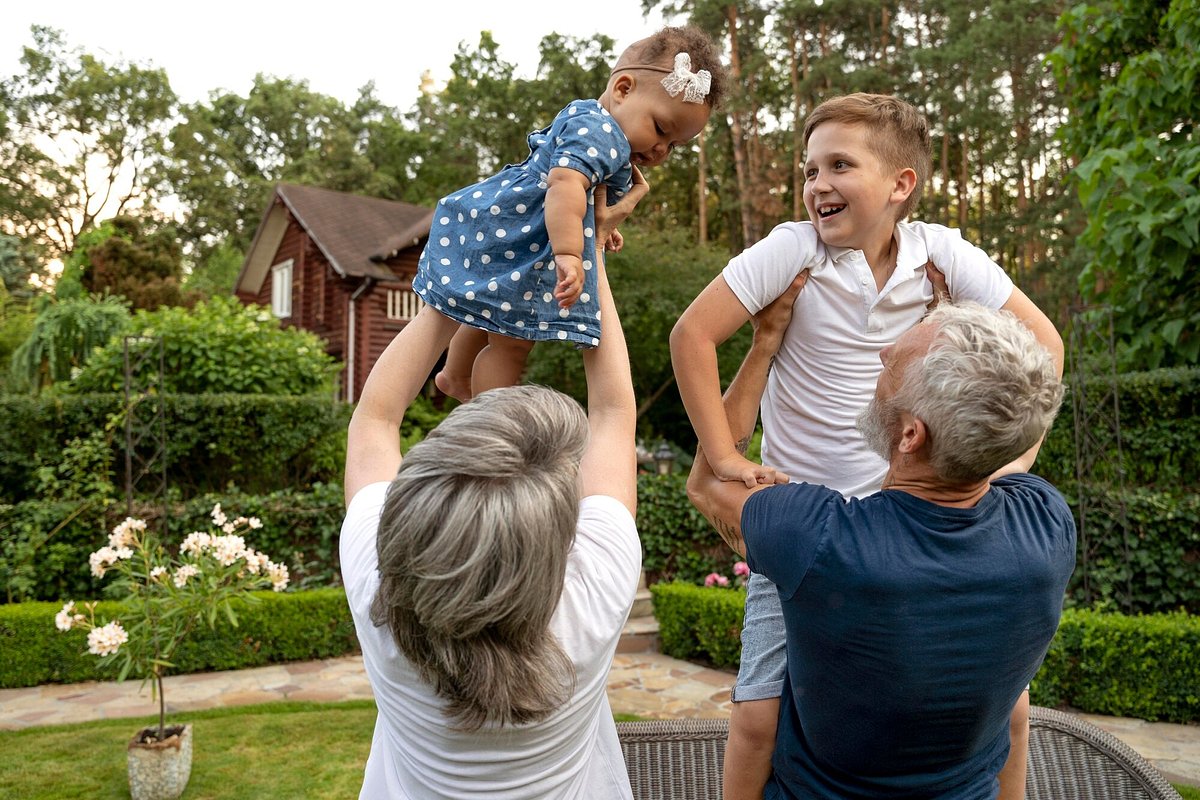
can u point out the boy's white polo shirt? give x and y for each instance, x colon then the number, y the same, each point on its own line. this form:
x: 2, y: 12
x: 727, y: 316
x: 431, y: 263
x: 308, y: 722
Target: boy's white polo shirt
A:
x: 826, y: 368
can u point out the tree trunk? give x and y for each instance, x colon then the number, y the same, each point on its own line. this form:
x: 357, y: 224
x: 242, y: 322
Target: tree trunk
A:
x: 738, y: 135
x: 964, y: 176
x: 798, y: 125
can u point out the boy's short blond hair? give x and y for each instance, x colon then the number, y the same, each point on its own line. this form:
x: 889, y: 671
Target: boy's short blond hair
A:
x: 660, y: 49
x: 898, y: 132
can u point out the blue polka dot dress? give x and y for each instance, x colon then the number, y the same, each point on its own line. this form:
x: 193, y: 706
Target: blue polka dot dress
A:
x: 488, y: 262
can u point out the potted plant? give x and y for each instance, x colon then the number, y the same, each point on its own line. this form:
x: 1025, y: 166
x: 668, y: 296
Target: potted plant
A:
x: 165, y: 596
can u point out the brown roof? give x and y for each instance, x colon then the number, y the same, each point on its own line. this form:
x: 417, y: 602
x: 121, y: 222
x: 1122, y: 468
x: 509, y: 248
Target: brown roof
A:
x: 353, y: 231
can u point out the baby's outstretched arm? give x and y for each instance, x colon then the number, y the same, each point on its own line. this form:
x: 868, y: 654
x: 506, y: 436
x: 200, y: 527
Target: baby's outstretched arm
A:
x: 566, y: 205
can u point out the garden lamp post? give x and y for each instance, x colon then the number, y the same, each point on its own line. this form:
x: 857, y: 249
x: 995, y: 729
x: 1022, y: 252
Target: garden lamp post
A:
x: 664, y: 459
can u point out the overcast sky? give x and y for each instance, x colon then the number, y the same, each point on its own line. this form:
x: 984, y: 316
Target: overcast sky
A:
x: 336, y: 46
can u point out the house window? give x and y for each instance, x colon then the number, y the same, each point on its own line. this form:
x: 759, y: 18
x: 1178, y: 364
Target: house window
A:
x: 402, y: 304
x: 281, y: 289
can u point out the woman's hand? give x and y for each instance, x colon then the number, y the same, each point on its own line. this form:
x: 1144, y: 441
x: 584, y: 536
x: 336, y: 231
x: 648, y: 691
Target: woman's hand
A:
x: 608, y: 218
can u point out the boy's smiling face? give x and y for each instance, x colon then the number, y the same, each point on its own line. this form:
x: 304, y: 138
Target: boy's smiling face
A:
x: 851, y: 196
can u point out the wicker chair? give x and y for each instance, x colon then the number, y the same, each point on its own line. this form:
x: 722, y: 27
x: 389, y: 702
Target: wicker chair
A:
x: 1072, y: 758
x: 1068, y: 758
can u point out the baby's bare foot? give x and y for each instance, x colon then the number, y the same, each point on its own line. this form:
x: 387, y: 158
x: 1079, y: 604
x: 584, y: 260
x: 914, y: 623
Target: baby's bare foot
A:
x: 453, y: 386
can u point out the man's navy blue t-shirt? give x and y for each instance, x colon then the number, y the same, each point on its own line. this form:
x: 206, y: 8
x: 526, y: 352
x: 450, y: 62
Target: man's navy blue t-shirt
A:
x: 912, y: 629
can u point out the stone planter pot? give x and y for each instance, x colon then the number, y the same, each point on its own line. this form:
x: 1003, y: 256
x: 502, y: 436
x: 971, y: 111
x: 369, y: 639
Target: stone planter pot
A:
x: 160, y: 770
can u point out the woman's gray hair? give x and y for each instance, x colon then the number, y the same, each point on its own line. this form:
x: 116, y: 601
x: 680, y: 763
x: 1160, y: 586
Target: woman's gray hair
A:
x: 987, y: 390
x: 473, y: 542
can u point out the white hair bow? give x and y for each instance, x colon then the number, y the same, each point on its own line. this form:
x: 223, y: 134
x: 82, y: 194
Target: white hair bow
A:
x: 694, y: 85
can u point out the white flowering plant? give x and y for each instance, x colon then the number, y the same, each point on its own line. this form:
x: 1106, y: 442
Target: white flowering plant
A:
x: 166, y: 596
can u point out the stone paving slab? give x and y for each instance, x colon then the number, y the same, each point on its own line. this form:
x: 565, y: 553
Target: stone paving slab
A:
x: 646, y: 684
x: 1173, y: 749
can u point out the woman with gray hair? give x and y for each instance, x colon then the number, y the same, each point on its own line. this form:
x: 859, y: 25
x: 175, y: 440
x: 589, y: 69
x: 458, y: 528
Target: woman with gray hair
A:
x: 490, y: 571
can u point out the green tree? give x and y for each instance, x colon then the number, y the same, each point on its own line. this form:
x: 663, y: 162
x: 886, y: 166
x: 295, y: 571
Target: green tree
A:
x: 16, y: 323
x: 129, y: 257
x: 226, y: 154
x: 218, y: 347
x: 70, y: 281
x: 18, y: 263
x: 217, y: 275
x: 654, y: 278
x: 64, y: 336
x: 79, y: 137
x: 1131, y: 71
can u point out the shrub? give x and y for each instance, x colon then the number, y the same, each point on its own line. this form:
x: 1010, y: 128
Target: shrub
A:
x: 1145, y: 666
x: 700, y: 623
x: 1152, y: 568
x: 292, y: 626
x: 218, y: 347
x: 677, y: 541
x: 1104, y: 663
x: 1159, y: 425
x: 258, y: 442
x: 65, y: 335
x: 44, y: 546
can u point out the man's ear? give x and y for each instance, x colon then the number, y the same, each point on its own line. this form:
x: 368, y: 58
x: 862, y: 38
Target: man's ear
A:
x: 906, y: 182
x: 913, y: 433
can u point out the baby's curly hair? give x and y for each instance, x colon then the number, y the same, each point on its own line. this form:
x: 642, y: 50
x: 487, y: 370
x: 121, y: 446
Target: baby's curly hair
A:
x: 661, y: 48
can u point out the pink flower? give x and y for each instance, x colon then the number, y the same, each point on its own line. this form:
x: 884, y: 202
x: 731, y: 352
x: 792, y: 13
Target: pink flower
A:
x: 716, y: 579
x: 741, y: 569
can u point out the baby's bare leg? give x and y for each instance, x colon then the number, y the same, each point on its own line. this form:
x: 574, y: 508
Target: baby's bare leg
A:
x: 499, y: 364
x: 455, y: 378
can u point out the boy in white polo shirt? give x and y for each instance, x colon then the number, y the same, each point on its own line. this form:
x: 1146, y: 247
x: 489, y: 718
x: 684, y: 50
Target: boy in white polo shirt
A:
x: 867, y: 161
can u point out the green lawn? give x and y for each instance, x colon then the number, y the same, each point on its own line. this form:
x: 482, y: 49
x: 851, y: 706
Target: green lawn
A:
x: 300, y: 751
x: 280, y: 750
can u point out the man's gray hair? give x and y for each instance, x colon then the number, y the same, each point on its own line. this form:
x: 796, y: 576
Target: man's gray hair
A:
x: 473, y: 542
x: 987, y: 390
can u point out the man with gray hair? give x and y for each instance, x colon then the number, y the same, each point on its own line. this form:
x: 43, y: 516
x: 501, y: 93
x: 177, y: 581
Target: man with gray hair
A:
x: 915, y: 617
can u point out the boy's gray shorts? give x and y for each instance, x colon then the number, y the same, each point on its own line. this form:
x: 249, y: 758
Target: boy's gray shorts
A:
x: 764, y: 644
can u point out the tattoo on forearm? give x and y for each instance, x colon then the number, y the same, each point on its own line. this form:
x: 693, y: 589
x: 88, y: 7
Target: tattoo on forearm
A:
x: 728, y: 532
x: 743, y: 445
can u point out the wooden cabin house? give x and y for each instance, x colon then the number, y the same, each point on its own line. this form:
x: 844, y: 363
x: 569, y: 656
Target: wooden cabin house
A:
x: 340, y: 265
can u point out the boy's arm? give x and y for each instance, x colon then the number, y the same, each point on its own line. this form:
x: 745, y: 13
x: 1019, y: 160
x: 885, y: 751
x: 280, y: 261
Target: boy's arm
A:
x: 566, y: 206
x: 721, y: 501
x: 711, y: 319
x: 1044, y: 331
x: 1025, y: 310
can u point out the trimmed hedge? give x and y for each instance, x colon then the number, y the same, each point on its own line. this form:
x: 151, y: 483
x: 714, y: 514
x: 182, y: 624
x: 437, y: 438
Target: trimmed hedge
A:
x: 257, y: 442
x: 1144, y: 666
x: 44, y: 546
x: 698, y: 622
x: 1160, y: 425
x: 1153, y: 569
x: 290, y: 626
